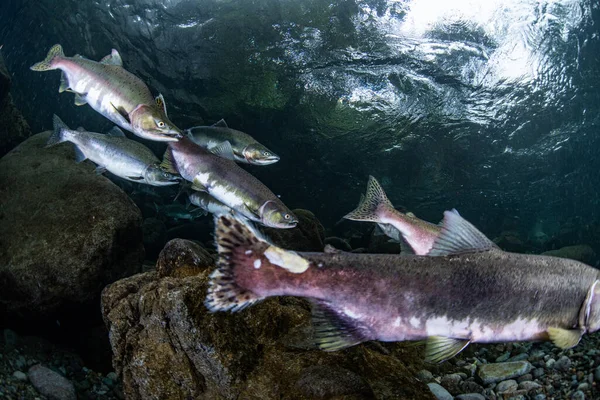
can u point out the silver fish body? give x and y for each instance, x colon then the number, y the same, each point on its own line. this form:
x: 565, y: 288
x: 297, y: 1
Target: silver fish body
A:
x: 245, y: 149
x: 112, y: 91
x: 114, y: 152
x: 468, y: 291
x: 224, y: 180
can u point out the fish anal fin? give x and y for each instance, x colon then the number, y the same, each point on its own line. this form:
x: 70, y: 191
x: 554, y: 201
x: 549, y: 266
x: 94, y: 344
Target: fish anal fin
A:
x: 223, y: 150
x: 564, y: 338
x: 80, y: 99
x: 100, y: 170
x: 167, y: 163
x: 79, y: 156
x: 64, y: 83
x: 459, y: 236
x: 220, y: 124
x: 440, y: 348
x: 114, y: 58
x: 335, y: 330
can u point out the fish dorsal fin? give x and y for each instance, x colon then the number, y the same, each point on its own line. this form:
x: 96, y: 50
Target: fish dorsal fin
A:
x: 116, y: 132
x: 459, y: 236
x: 220, y: 124
x: 331, y: 250
x: 160, y: 102
x: 440, y: 348
x: 564, y: 338
x: 80, y: 99
x: 223, y: 150
x: 335, y: 330
x: 168, y: 162
x: 114, y: 58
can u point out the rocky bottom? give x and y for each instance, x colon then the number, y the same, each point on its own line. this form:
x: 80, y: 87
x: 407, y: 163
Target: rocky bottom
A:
x: 33, y: 368
x: 519, y: 371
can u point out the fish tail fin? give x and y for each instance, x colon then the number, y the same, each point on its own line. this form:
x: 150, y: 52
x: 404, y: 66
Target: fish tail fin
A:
x: 60, y: 129
x: 238, y: 246
x: 374, y: 199
x: 46, y: 65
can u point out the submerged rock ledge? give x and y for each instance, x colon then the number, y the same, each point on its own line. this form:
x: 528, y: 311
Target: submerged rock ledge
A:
x: 167, y: 345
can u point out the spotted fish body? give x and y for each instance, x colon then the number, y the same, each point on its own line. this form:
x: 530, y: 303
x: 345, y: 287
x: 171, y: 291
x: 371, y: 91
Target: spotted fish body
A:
x: 115, y: 153
x: 451, y: 299
x: 375, y: 207
x: 112, y: 91
x: 245, y: 148
x: 224, y: 180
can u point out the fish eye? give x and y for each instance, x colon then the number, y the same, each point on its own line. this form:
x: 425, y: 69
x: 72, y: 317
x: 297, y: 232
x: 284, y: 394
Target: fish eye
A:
x: 160, y: 124
x: 266, y: 153
x: 287, y: 216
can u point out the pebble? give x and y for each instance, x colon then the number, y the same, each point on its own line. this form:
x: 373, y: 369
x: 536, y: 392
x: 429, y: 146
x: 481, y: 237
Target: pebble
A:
x: 423, y: 375
x: 597, y: 374
x: 507, y: 386
x: 471, y: 387
x: 50, y: 383
x: 583, y: 386
x: 563, y: 363
x: 503, y: 357
x: 578, y: 395
x: 439, y: 392
x: 529, y: 385
x: 470, y: 396
x: 451, y: 383
x: 519, y: 357
x: 540, y: 396
x: 550, y: 363
x: 20, y: 376
x: 538, y: 373
x: 526, y: 377
x: 492, y: 373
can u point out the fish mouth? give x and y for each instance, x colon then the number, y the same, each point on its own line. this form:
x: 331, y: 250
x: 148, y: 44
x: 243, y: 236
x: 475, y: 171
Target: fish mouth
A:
x: 266, y: 160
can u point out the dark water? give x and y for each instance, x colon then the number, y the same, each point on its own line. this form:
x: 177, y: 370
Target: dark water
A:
x: 487, y: 107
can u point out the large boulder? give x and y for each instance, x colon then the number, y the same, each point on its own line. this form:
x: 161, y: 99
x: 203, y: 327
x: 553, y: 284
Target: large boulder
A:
x: 581, y: 252
x: 65, y: 232
x: 167, y: 345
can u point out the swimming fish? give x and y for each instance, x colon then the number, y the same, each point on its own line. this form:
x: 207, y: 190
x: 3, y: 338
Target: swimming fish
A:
x: 376, y: 207
x: 224, y: 180
x: 245, y: 148
x: 112, y: 91
x: 177, y: 211
x: 209, y: 204
x: 115, y: 153
x: 467, y: 290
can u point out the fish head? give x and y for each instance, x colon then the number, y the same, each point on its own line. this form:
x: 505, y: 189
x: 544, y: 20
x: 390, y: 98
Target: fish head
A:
x: 277, y: 216
x: 592, y: 317
x: 258, y: 154
x: 156, y: 176
x: 151, y: 123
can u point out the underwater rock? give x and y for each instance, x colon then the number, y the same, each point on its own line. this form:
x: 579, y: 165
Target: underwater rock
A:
x: 167, y: 345
x: 181, y: 258
x: 582, y: 252
x: 308, y: 235
x: 51, y: 384
x: 497, y: 372
x: 14, y: 129
x: 338, y: 243
x: 65, y: 231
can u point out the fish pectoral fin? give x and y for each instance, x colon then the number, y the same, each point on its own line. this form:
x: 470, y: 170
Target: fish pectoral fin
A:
x: 252, y: 212
x: 199, y: 186
x: 136, y: 178
x: 440, y: 348
x: 564, y: 338
x: 335, y: 330
x: 122, y: 112
x: 114, y: 58
x: 220, y: 123
x: 459, y: 236
x: 167, y: 163
x: 116, y: 132
x: 223, y: 150
x: 80, y: 99
x: 100, y: 170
